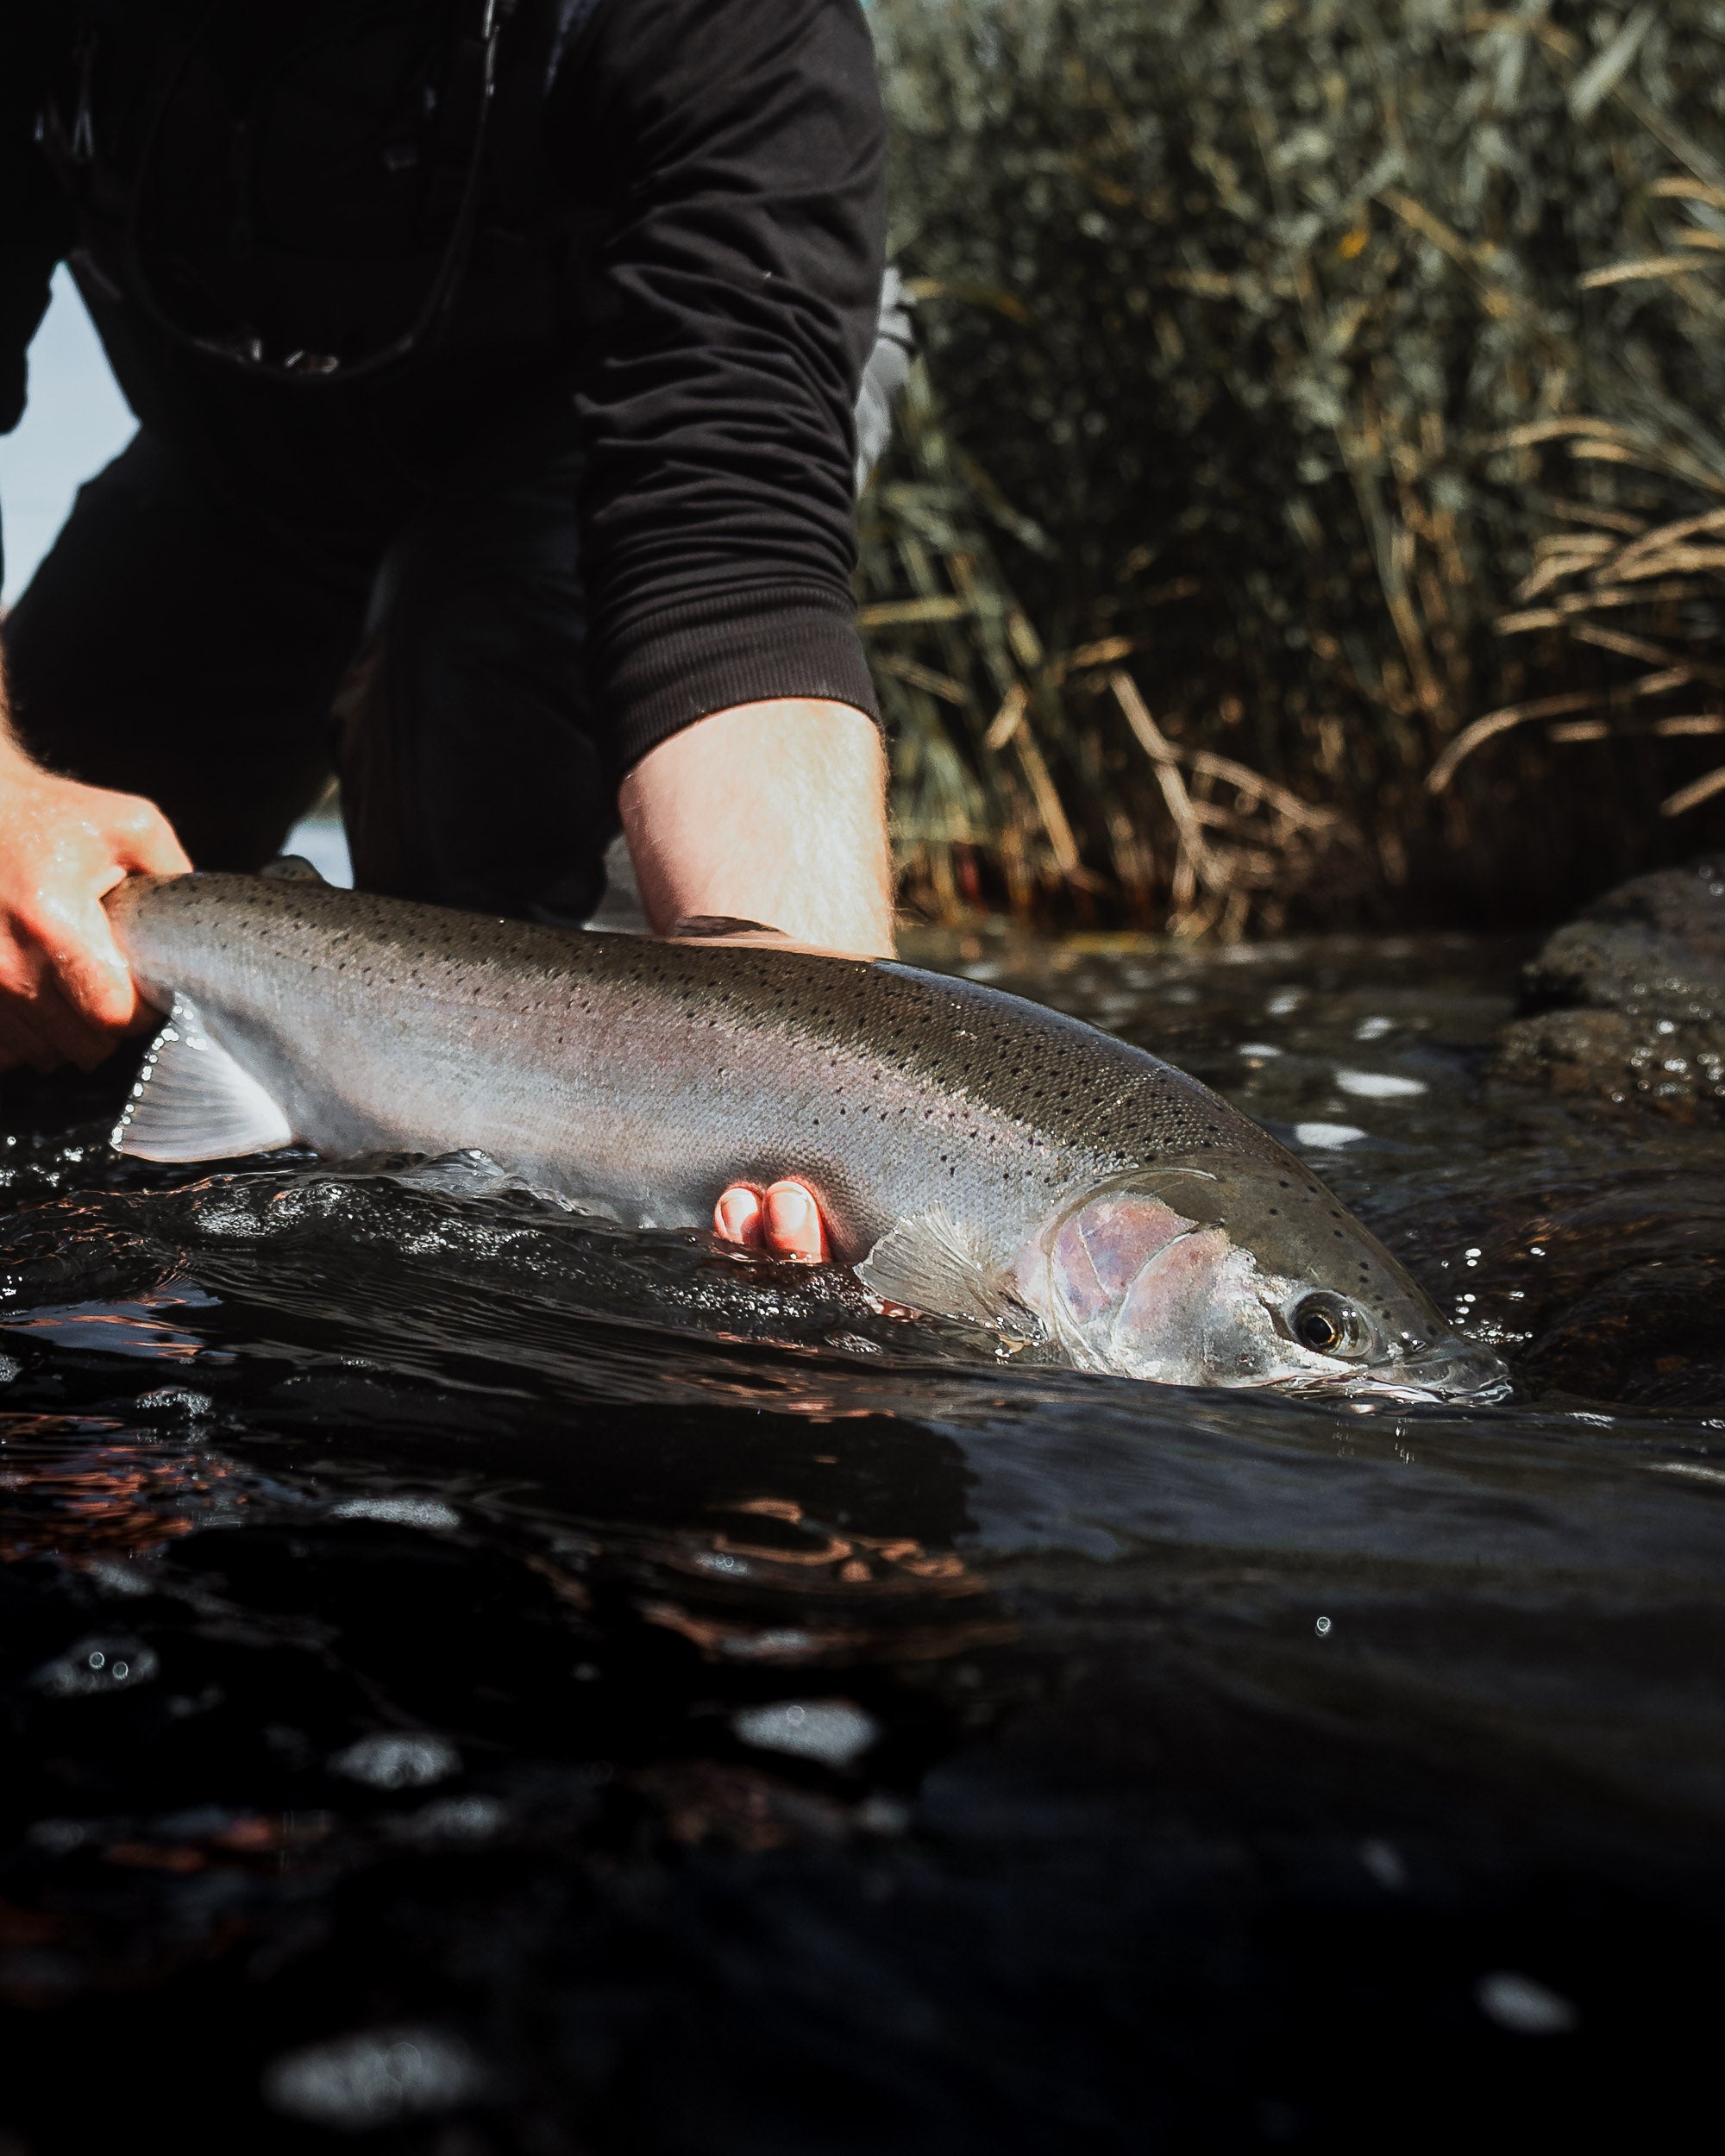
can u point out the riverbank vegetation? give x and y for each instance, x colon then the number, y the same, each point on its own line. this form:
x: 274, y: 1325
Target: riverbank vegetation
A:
x: 1309, y: 505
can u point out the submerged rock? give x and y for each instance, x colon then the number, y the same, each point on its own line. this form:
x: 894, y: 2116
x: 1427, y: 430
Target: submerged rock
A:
x: 1627, y: 1003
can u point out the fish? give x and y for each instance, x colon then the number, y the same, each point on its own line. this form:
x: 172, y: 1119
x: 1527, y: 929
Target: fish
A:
x: 975, y: 1156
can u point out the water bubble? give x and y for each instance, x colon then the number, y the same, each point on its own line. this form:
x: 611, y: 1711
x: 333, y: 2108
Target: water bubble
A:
x: 1523, y: 2006
x: 832, y: 1731
x: 374, y: 2079
x: 399, y: 1512
x: 1326, y: 1135
x: 96, y: 1666
x: 1322, y: 1628
x: 11, y: 1367
x: 398, y: 1761
x: 1373, y: 1029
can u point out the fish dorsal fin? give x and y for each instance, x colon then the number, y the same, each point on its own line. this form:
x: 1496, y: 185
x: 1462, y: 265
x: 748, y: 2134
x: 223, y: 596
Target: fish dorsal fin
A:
x: 713, y: 928
x: 729, y: 933
x: 928, y: 1262
x: 291, y: 868
x: 193, y: 1102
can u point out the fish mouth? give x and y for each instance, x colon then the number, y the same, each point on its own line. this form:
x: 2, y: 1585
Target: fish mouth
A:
x: 1461, y: 1374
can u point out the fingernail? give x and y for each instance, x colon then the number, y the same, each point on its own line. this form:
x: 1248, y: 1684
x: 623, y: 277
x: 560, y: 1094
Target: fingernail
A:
x: 791, y: 1211
x: 737, y: 1216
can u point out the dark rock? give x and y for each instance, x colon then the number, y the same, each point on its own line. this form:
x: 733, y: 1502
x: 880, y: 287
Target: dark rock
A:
x: 1627, y: 1003
x: 1646, y: 1335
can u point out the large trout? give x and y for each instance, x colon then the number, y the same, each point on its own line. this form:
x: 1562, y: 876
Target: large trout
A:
x: 975, y: 1155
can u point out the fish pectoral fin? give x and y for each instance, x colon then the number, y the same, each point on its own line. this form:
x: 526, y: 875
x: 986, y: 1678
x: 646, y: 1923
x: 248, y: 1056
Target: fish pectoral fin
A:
x: 193, y: 1102
x: 928, y: 1262
x: 291, y: 868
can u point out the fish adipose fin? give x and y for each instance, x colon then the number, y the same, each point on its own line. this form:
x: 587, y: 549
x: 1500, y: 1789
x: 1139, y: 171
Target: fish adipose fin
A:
x: 927, y: 1263
x: 193, y: 1102
x: 291, y: 868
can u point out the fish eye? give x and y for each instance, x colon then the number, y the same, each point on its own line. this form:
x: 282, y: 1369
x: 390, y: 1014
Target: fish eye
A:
x: 1328, y: 1325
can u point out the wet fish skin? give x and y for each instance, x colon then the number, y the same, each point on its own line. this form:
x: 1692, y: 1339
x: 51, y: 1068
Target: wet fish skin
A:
x: 646, y: 1075
x: 948, y: 1131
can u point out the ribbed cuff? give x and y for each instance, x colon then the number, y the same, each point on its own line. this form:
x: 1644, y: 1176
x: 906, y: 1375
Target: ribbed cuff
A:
x: 662, y: 671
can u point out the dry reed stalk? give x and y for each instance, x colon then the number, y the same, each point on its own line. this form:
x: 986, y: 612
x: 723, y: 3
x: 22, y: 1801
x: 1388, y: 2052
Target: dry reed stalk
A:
x: 1667, y: 574
x: 1611, y: 577
x: 989, y: 751
x: 1276, y: 347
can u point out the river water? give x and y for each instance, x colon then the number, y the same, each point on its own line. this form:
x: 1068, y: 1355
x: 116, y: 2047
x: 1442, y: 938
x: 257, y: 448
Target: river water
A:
x: 480, y: 1681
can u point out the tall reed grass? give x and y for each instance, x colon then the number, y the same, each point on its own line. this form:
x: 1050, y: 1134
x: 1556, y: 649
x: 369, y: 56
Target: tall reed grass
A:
x: 1311, y: 393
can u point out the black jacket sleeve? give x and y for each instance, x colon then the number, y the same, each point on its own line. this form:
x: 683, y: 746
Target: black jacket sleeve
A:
x: 739, y: 146
x: 35, y: 225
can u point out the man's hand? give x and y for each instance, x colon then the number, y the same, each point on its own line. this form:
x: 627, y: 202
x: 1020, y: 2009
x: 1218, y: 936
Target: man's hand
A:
x: 66, y: 993
x: 783, y: 1220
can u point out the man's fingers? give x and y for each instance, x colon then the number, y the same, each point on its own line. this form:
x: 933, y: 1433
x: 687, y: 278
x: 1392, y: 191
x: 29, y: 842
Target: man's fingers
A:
x: 785, y: 1220
x: 794, y: 1226
x: 46, y: 1022
x: 144, y: 842
x: 66, y: 993
x: 737, y: 1216
x: 93, y: 978
x: 66, y: 1030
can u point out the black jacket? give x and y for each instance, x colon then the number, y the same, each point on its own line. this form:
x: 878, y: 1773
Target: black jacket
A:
x: 676, y: 221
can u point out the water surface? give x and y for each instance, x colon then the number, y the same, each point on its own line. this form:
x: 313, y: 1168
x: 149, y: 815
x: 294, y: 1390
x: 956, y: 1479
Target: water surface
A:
x: 481, y: 1680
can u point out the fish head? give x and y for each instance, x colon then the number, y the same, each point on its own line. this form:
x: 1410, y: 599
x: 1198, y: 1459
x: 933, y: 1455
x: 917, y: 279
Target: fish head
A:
x: 1243, y: 1272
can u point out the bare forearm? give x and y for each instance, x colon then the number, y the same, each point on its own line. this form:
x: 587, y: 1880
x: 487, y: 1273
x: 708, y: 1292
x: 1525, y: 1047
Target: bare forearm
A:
x: 774, y: 812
